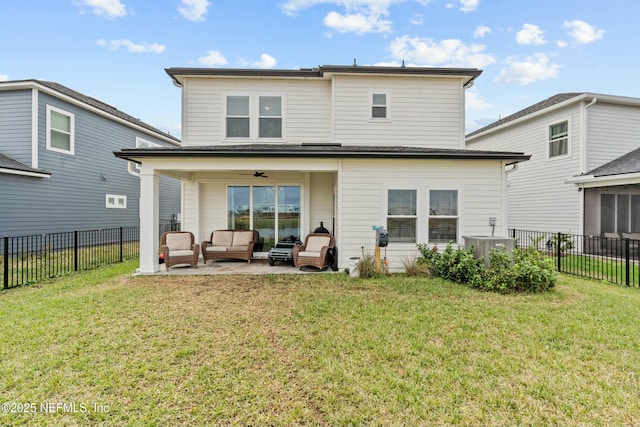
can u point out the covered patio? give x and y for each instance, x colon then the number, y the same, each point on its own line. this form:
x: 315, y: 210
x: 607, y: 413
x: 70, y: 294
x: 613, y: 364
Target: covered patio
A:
x: 229, y: 267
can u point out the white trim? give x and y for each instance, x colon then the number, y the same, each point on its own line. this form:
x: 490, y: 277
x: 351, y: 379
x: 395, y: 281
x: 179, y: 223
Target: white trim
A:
x: 254, y: 116
x: 72, y: 125
x: 24, y: 173
x: 115, y: 201
x: 590, y: 181
x: 416, y: 216
x: 387, y: 117
x: 34, y: 128
x: 458, y: 217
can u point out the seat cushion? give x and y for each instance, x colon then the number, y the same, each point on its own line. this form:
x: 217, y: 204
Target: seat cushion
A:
x: 309, y: 254
x: 238, y: 248
x: 216, y: 249
x: 316, y: 243
x: 181, y: 253
x: 222, y: 238
x: 178, y: 241
x: 242, y: 238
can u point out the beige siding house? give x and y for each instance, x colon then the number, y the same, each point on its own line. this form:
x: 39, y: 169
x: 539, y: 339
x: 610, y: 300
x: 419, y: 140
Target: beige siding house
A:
x: 353, y: 147
x: 584, y: 173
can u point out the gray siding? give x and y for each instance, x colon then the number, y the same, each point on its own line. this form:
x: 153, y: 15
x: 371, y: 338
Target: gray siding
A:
x: 74, y: 197
x: 15, y: 125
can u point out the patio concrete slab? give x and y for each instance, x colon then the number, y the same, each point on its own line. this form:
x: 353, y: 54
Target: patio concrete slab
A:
x: 257, y: 266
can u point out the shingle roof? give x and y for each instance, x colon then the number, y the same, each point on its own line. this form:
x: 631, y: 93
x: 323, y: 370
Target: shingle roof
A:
x: 7, y: 162
x: 546, y: 103
x: 628, y: 163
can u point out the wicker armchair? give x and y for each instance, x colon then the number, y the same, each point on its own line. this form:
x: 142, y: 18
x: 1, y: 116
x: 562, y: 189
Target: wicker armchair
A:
x: 314, y: 252
x: 179, y: 247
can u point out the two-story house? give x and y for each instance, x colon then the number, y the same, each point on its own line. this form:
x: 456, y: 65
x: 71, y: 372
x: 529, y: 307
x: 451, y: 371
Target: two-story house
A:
x: 57, y: 169
x: 353, y: 147
x: 584, y: 172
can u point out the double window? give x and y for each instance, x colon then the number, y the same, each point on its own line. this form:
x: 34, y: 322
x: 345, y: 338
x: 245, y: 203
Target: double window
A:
x: 60, y: 130
x: 114, y: 201
x: 403, y: 214
x: 268, y: 117
x: 134, y: 168
x: 559, y: 139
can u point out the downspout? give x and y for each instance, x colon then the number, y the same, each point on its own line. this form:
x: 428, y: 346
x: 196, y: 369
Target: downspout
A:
x: 505, y: 196
x: 583, y: 153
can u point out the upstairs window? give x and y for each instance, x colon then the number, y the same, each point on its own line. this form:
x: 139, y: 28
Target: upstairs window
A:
x: 238, y: 119
x: 443, y: 216
x: 270, y: 117
x: 60, y: 130
x: 379, y: 106
x: 559, y: 139
x: 401, y: 215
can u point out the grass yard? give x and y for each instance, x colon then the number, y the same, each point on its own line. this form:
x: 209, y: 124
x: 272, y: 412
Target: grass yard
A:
x: 103, y: 347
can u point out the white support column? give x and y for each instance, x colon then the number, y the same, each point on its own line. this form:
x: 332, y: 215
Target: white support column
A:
x: 149, y: 221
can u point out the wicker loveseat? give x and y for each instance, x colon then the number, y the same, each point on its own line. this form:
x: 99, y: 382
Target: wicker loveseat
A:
x: 178, y: 247
x: 229, y: 244
x: 314, y: 252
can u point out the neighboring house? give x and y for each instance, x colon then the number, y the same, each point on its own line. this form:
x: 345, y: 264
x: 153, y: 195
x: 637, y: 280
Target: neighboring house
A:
x: 57, y: 169
x: 353, y: 147
x: 584, y: 172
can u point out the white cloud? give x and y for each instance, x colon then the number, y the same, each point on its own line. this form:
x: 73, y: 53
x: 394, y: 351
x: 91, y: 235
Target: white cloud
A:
x: 357, y: 23
x: 481, y: 31
x: 266, y: 61
x: 531, y: 69
x: 194, y: 10
x: 581, y: 32
x: 132, y: 47
x: 465, y: 5
x: 447, y: 53
x: 107, y: 8
x: 359, y: 16
x: 4, y: 77
x: 530, y: 34
x: 417, y: 19
x: 212, y: 59
x: 473, y: 101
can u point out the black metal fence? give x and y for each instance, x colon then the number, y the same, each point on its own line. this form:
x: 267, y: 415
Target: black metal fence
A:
x: 32, y: 259
x: 597, y: 257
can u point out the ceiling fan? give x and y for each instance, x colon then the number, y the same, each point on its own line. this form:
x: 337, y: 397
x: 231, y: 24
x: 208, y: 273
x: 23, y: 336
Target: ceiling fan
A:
x: 257, y: 174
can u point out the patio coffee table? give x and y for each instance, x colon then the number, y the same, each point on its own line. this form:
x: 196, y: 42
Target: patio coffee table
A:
x: 282, y: 251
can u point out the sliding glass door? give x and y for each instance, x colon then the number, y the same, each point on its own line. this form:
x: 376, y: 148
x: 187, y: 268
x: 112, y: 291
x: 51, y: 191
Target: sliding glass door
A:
x: 272, y: 210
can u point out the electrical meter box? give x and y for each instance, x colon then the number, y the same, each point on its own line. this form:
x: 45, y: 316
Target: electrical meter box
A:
x: 382, y: 237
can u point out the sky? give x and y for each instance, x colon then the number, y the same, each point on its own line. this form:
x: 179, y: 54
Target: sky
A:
x: 117, y: 50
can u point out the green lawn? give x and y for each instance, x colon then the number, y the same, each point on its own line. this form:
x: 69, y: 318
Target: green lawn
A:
x: 315, y: 350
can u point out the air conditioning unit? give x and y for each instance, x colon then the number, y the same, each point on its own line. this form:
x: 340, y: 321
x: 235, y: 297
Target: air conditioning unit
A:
x: 482, y: 245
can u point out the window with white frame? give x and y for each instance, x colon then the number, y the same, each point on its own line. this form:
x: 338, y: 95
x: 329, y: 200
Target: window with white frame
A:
x: 238, y: 119
x: 401, y: 215
x: 134, y: 168
x: 114, y: 201
x: 60, y: 130
x: 250, y: 117
x: 443, y: 216
x: 559, y: 139
x: 379, y: 106
x: 270, y: 117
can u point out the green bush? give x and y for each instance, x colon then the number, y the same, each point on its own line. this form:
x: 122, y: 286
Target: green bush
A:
x: 525, y: 270
x: 458, y: 265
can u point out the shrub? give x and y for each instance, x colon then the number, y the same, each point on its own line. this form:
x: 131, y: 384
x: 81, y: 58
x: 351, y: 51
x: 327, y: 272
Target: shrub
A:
x: 366, y: 267
x: 415, y: 267
x: 458, y: 265
x: 526, y: 270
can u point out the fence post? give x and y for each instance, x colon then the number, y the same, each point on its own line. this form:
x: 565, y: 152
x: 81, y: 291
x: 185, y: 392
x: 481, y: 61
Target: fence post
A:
x: 6, y: 262
x: 559, y: 251
x: 121, y: 244
x: 627, y: 260
x: 75, y: 250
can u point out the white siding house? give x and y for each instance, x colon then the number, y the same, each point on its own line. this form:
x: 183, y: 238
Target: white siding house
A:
x: 584, y: 173
x: 281, y: 151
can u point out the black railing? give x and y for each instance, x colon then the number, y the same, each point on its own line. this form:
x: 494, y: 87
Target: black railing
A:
x: 597, y: 257
x: 32, y: 259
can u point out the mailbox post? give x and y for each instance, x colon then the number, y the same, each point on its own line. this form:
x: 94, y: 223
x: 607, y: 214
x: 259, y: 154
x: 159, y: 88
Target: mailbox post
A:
x: 382, y: 240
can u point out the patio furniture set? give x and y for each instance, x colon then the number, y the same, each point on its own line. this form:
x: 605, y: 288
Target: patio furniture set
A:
x: 179, y: 248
